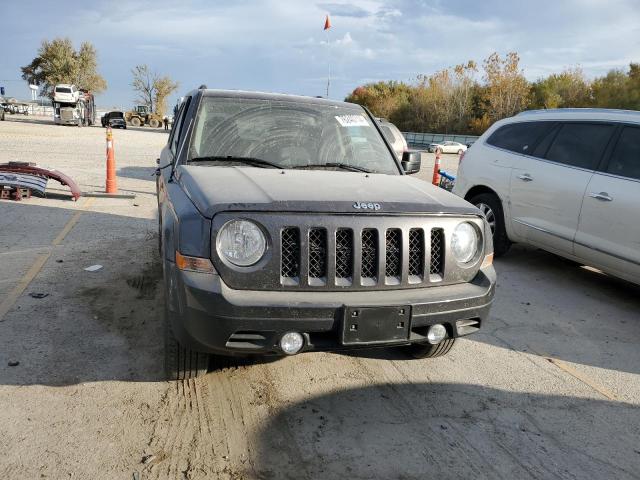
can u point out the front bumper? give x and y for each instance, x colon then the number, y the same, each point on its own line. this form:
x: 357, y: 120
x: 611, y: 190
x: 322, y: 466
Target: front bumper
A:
x: 208, y: 316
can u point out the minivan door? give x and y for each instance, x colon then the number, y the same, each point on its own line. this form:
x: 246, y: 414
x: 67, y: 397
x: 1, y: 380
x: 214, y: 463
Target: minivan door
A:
x: 609, y: 229
x: 547, y: 186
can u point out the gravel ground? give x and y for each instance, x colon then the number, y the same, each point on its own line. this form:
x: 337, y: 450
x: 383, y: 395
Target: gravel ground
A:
x: 549, y: 389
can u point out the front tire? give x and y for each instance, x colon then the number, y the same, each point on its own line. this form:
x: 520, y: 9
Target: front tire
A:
x: 180, y: 362
x: 426, y: 350
x: 491, y: 207
x: 135, y: 121
x: 153, y: 123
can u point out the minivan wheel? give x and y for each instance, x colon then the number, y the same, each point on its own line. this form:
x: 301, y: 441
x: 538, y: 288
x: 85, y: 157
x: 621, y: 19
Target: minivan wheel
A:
x: 490, y: 206
x: 426, y: 350
x: 180, y: 362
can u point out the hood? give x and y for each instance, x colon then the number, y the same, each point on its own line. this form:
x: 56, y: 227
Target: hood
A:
x: 217, y: 189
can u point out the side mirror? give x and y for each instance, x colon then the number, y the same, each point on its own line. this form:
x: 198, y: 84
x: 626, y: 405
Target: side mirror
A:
x: 411, y: 162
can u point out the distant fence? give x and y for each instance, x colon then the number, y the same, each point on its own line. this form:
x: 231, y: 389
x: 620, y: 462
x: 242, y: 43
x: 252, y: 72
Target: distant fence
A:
x: 422, y: 140
x: 40, y: 110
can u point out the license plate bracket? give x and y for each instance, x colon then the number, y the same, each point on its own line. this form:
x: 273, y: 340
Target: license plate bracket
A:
x: 375, y: 325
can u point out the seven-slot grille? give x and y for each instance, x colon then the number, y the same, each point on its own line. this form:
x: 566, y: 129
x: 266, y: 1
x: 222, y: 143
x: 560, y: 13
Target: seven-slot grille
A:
x: 357, y: 256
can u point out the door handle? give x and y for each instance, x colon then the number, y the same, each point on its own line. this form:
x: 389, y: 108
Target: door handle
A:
x: 603, y: 196
x: 525, y: 177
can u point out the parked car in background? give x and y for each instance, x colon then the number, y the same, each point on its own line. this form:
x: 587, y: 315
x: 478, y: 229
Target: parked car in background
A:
x: 448, y: 147
x: 566, y: 181
x: 114, y: 119
x: 287, y: 225
x: 394, y: 136
x: 65, y: 93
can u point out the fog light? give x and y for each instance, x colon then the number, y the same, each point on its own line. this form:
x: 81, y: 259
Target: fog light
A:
x: 436, y: 333
x: 291, y: 343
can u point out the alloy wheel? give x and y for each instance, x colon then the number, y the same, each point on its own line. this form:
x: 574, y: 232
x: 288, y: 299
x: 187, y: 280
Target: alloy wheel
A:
x: 488, y: 215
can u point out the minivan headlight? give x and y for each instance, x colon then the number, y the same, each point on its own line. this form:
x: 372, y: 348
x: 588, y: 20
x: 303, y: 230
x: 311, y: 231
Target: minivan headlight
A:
x: 464, y: 242
x: 241, y: 242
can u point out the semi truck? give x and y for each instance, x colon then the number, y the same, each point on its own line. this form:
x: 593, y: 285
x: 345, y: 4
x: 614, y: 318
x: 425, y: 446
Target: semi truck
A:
x: 73, y: 106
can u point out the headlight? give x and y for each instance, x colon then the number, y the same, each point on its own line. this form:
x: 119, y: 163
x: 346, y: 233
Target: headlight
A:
x: 241, y: 242
x: 464, y: 242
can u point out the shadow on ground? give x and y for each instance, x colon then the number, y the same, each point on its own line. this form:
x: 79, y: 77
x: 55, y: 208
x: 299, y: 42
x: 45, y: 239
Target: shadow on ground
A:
x: 139, y: 173
x: 439, y: 430
x: 90, y: 326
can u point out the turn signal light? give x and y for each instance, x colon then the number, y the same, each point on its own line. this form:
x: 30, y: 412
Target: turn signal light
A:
x: 488, y: 260
x: 194, y: 264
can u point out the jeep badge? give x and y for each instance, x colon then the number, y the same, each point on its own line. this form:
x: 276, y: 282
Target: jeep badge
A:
x: 366, y: 206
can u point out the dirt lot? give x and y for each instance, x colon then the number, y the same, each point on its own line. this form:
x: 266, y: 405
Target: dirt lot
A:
x: 549, y: 389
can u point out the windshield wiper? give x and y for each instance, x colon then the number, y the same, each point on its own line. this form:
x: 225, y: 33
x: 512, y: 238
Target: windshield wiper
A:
x: 258, y: 162
x: 345, y: 166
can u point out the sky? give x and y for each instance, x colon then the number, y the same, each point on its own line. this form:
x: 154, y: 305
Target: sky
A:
x: 280, y: 45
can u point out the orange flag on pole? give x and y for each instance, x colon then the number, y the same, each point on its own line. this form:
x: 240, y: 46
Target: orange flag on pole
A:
x: 327, y: 23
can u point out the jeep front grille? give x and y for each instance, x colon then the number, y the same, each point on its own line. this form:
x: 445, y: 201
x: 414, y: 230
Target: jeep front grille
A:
x: 369, y: 268
x: 416, y: 252
x: 394, y: 251
x: 436, y: 266
x: 317, y: 253
x: 344, y: 257
x: 290, y: 265
x: 344, y: 254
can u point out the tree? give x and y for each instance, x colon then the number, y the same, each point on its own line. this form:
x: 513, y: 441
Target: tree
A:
x: 382, y: 98
x: 618, y: 89
x: 58, y: 62
x: 153, y: 90
x: 452, y: 101
x: 164, y: 87
x: 462, y: 95
x: 143, y: 81
x: 507, y: 90
x: 569, y: 88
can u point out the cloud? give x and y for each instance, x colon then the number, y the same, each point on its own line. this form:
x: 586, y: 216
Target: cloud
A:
x: 344, y: 10
x: 279, y: 45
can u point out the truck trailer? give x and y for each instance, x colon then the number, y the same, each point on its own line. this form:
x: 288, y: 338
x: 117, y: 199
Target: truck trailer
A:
x: 80, y: 112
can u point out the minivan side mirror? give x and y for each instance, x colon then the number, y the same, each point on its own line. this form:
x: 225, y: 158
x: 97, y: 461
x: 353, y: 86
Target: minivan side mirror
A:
x: 411, y: 161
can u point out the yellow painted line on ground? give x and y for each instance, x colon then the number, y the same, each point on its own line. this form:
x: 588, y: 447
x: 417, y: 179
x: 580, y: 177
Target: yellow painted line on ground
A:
x: 7, y: 303
x: 72, y: 222
x: 584, y: 378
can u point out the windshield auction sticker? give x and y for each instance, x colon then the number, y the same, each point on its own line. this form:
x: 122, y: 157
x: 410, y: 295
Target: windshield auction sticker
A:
x: 352, y: 120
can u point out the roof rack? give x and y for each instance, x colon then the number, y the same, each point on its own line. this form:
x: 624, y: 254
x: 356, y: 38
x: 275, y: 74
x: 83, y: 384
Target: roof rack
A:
x: 578, y: 110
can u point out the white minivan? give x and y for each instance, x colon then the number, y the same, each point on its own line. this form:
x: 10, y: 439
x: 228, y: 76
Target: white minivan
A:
x: 566, y: 181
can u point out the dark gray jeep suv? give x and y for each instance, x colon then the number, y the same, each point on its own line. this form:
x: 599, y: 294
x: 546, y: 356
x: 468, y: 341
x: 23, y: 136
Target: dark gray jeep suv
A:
x: 288, y: 225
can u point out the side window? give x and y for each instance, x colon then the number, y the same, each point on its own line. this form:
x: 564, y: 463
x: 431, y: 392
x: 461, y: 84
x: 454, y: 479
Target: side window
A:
x: 580, y: 144
x: 177, y: 127
x: 625, y: 160
x: 540, y: 150
x: 519, y: 137
x: 388, y: 134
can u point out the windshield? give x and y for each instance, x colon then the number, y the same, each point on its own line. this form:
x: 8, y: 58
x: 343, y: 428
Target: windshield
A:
x: 289, y: 134
x: 63, y: 90
x: 116, y: 115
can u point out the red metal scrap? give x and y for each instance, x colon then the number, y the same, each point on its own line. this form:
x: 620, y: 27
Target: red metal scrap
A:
x: 23, y: 167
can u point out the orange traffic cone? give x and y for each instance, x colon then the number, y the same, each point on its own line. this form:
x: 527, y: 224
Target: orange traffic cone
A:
x: 111, y: 186
x: 436, y: 169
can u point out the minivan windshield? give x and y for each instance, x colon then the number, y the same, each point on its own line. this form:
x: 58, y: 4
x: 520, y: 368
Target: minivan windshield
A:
x: 288, y: 134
